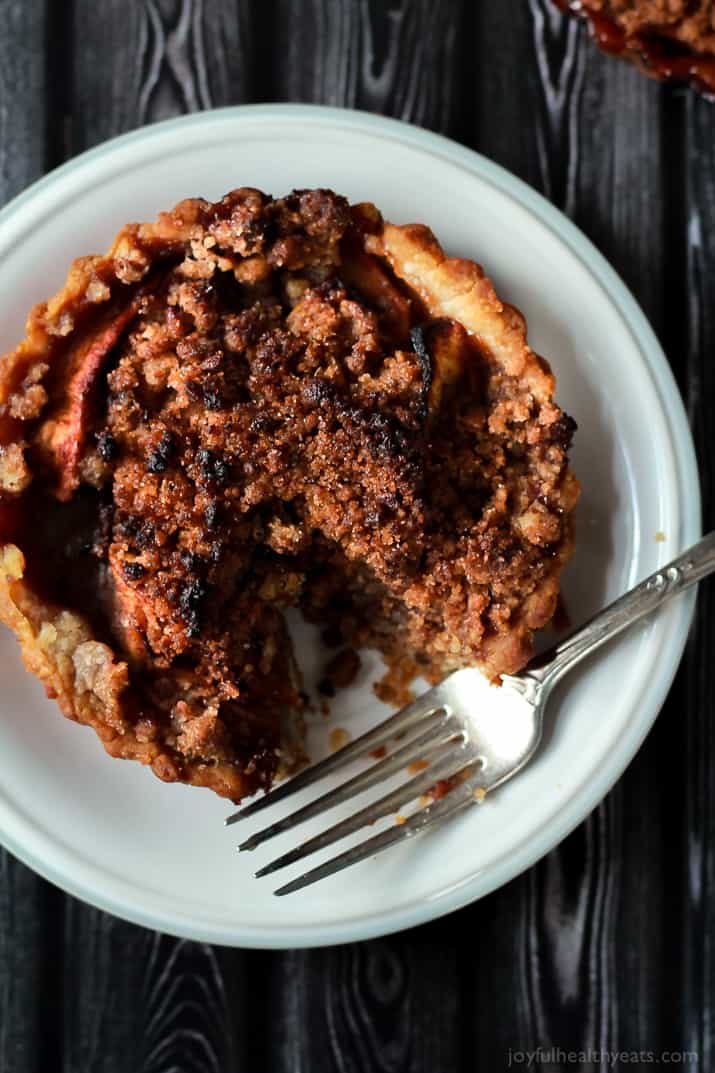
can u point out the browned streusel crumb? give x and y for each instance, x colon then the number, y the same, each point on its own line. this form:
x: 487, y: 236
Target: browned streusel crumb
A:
x: 416, y: 766
x: 260, y: 404
x: 668, y: 39
x: 338, y: 738
x: 340, y: 672
x: 394, y: 687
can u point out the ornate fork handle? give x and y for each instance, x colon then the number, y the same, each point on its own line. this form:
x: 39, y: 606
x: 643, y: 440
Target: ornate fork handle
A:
x: 689, y: 568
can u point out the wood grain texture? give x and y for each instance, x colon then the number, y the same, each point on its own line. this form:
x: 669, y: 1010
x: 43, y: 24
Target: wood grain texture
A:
x: 137, y: 1000
x: 30, y: 969
x: 399, y: 59
x: 385, y: 1006
x: 697, y: 703
x: 166, y: 57
x: 22, y: 94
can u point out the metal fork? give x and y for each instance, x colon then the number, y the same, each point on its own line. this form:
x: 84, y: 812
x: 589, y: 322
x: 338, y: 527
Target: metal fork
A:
x: 462, y: 752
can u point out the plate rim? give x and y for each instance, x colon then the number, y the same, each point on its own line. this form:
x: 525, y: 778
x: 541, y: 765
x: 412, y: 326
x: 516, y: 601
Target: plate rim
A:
x: 181, y: 922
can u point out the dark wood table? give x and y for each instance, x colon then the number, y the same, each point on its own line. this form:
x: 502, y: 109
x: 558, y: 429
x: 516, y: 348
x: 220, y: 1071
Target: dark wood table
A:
x: 607, y: 944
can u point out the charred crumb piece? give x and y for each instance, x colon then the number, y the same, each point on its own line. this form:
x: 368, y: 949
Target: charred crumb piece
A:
x: 385, y: 507
x: 132, y: 571
x: 389, y: 502
x: 272, y: 354
x: 135, y: 531
x: 205, y: 460
x: 129, y: 525
x: 161, y: 455
x: 191, y: 561
x: 388, y: 442
x: 315, y: 392
x: 442, y: 348
x: 561, y: 432
x: 211, y: 514
x: 213, y: 469
x: 419, y: 340
x: 107, y: 446
x: 212, y: 397
x: 191, y: 599
x: 222, y: 471
x: 262, y: 423
x: 145, y: 536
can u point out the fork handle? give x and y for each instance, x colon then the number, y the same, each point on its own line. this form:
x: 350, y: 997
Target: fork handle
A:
x: 689, y: 568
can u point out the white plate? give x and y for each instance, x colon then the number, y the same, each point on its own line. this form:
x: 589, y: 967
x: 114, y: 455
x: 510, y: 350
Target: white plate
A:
x: 114, y: 835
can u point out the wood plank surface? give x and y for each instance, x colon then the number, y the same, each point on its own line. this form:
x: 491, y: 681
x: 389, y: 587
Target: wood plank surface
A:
x: 399, y: 59
x: 606, y: 944
x: 30, y: 910
x: 23, y: 92
x: 697, y: 701
x: 166, y: 57
x: 137, y: 1000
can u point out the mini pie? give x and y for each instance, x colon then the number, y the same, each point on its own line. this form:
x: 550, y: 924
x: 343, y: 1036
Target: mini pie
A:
x: 672, y: 40
x: 261, y: 404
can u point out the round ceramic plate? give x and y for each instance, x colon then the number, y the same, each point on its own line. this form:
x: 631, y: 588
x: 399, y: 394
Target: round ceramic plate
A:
x: 113, y: 834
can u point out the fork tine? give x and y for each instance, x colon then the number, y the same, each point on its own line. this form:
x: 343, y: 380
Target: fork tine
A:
x: 459, y: 757
x: 373, y: 739
x: 458, y: 799
x: 441, y: 731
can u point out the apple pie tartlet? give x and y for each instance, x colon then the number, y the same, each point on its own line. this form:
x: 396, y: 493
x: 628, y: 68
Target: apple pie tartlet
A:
x: 261, y: 404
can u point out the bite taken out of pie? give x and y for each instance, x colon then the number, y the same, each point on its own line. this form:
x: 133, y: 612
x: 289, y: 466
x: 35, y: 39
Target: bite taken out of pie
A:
x: 672, y: 40
x: 261, y: 404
